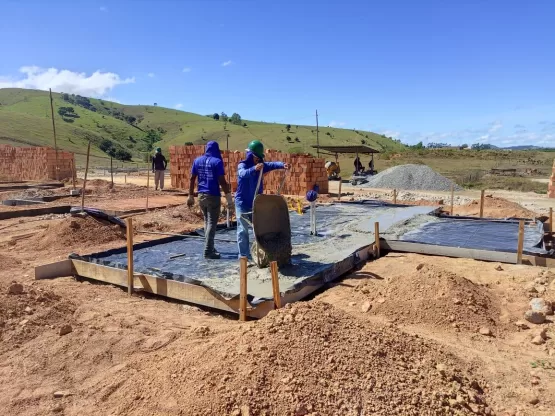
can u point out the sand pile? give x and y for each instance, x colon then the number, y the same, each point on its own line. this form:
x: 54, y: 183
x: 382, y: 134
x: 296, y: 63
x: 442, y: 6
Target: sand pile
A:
x: 26, y: 311
x: 496, y: 208
x: 308, y: 359
x: 411, y: 177
x: 78, y: 232
x: 437, y: 297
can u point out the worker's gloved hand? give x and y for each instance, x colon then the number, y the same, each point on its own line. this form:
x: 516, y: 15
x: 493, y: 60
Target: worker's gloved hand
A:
x: 190, y: 201
x: 259, y: 166
x: 229, y: 200
x: 286, y: 166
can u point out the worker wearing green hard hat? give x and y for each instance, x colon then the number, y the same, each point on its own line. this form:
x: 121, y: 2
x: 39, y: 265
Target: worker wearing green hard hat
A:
x: 249, y: 172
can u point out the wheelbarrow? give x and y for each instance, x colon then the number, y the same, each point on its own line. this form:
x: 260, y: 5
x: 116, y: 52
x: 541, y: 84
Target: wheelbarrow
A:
x: 271, y: 228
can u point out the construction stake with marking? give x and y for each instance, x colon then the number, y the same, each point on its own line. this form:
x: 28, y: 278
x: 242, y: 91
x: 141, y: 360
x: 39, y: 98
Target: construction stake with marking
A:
x: 275, y: 284
x: 482, y: 203
x: 243, y: 289
x: 520, y: 246
x: 452, y: 198
x: 129, y: 224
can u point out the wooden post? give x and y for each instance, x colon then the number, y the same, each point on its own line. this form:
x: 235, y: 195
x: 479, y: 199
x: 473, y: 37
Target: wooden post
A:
x: 377, y: 237
x: 520, y: 242
x: 395, y: 196
x: 452, y: 198
x: 147, y: 186
x: 550, y: 221
x: 125, y: 178
x: 112, y: 172
x: 85, y: 180
x: 482, y: 203
x: 54, y: 130
x: 73, y: 173
x: 339, y: 193
x: 275, y: 284
x: 129, y: 223
x: 243, y: 289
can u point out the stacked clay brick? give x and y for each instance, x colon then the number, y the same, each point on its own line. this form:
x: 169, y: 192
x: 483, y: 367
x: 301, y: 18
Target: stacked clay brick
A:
x: 551, y: 187
x: 34, y: 163
x: 306, y: 170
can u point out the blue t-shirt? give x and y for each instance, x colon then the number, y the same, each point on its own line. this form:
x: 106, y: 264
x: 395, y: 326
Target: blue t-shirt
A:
x: 208, y: 169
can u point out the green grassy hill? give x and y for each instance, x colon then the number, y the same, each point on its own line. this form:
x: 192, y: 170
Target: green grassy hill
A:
x: 25, y: 120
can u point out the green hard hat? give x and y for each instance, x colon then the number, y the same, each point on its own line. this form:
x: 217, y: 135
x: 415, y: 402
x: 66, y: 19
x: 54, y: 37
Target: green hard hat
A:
x: 158, y: 149
x: 257, y: 148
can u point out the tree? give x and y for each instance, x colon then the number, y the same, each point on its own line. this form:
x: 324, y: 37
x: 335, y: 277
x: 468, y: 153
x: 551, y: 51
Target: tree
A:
x: 216, y: 116
x: 236, y: 119
x: 464, y: 146
x: 419, y: 146
x: 105, y: 145
x: 288, y: 127
x: 122, y: 154
x: 223, y: 116
x: 188, y: 143
x: 363, y: 141
x: 130, y: 119
x: 289, y: 138
x: 155, y: 104
x: 244, y: 124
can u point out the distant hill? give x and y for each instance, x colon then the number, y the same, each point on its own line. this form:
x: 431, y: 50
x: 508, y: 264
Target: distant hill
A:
x: 130, y: 131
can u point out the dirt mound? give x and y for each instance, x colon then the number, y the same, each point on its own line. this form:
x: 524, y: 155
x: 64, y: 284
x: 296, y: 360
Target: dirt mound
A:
x: 79, y: 232
x: 9, y: 262
x: 306, y: 359
x: 496, y: 208
x: 26, y: 311
x: 437, y: 297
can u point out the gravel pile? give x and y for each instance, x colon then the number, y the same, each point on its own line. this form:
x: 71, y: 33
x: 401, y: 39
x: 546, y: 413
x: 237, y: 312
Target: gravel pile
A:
x: 411, y: 177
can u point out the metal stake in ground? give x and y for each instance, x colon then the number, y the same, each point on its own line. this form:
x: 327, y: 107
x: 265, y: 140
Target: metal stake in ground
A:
x: 313, y: 218
x: 243, y: 289
x: 85, y: 180
x: 129, y: 223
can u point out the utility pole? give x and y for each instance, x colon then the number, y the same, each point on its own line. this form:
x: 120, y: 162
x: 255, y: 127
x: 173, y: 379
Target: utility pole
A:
x: 317, y: 138
x: 54, y: 129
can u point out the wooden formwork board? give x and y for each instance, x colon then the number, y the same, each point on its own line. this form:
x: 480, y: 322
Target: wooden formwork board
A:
x: 187, y: 292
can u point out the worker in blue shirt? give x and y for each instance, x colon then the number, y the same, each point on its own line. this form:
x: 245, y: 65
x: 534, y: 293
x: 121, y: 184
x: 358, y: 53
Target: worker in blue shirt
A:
x: 209, y: 168
x: 248, y: 173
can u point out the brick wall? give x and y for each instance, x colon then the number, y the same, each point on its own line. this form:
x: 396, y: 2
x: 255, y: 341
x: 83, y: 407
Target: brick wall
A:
x: 306, y: 170
x: 551, y: 187
x: 34, y: 163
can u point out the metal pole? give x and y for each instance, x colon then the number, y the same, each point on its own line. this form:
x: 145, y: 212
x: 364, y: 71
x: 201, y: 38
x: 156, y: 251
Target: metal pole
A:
x: 54, y: 130
x: 112, y: 172
x: 85, y: 180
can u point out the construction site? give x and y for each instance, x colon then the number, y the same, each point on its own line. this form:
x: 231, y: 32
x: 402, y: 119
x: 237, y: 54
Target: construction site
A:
x: 388, y: 293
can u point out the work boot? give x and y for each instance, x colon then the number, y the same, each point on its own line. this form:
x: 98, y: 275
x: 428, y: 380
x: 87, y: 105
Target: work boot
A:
x: 212, y: 256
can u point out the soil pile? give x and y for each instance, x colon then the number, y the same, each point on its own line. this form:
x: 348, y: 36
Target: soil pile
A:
x: 307, y: 359
x: 9, y: 262
x: 79, y: 232
x: 411, y: 177
x: 496, y: 208
x: 437, y: 297
x: 26, y: 311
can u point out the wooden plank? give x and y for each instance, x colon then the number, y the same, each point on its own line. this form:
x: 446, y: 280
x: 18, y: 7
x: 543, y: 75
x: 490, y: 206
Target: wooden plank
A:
x: 482, y: 195
x: 186, y: 292
x: 58, y: 269
x: 275, y: 284
x: 34, y: 212
x: 538, y: 261
x: 377, y: 238
x: 550, y: 221
x: 520, y: 245
x: 129, y: 224
x: 243, y: 288
x: 395, y: 196
x: 339, y: 192
x: 485, y: 255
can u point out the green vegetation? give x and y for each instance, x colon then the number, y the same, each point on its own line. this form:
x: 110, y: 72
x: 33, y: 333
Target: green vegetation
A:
x: 25, y: 119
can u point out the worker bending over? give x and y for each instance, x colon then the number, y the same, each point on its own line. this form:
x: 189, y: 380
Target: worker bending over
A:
x: 248, y: 173
x: 159, y: 165
x: 209, y: 169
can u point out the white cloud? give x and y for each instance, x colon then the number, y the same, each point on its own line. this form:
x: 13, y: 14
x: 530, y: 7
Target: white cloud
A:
x: 179, y: 106
x: 62, y: 80
x: 227, y: 63
x: 186, y: 69
x: 495, y: 126
x: 103, y: 9
x: 334, y: 123
x: 114, y: 100
x: 151, y: 74
x: 391, y: 133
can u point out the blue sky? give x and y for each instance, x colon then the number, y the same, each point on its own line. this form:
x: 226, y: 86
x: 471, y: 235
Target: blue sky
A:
x: 449, y: 71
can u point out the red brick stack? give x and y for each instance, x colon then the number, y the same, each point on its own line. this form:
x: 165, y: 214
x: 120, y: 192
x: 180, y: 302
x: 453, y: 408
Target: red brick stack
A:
x: 551, y: 187
x: 34, y: 163
x: 306, y: 171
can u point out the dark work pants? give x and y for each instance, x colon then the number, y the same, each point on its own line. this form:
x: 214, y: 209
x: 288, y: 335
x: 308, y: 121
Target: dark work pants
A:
x: 210, y: 206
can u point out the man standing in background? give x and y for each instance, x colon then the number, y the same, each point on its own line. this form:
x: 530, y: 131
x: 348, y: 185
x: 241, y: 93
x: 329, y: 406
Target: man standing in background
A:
x: 209, y: 168
x: 159, y: 165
